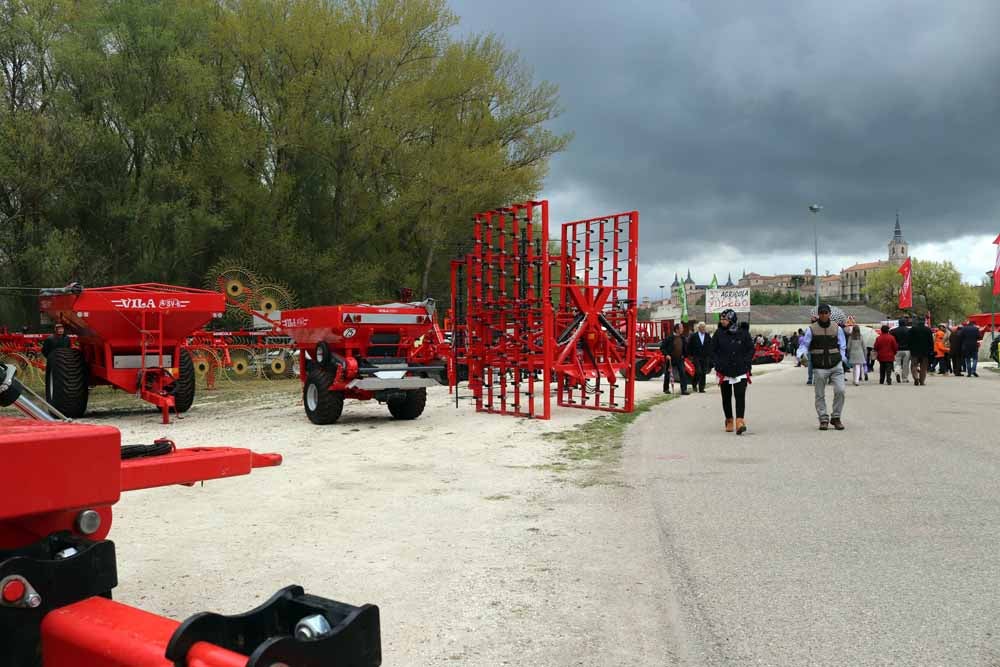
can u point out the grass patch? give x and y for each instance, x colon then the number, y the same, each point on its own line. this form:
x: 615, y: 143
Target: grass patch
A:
x: 499, y: 496
x: 600, y: 440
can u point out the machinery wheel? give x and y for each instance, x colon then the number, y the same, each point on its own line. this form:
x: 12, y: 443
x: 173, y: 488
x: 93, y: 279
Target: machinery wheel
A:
x: 462, y: 373
x: 410, y: 407
x: 322, y: 354
x: 184, y: 387
x: 66, y: 382
x: 322, y: 405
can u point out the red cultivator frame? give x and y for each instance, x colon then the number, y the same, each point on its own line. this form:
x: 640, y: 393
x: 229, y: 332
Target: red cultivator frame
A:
x: 130, y: 337
x: 511, y: 337
x: 596, y: 320
x: 509, y: 312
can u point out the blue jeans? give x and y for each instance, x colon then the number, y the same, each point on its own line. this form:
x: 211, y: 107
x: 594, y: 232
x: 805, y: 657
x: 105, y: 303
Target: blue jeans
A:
x: 810, y: 366
x: 971, y: 363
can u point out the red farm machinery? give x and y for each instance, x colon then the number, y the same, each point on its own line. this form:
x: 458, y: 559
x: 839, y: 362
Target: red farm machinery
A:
x: 57, y: 569
x: 649, y: 361
x: 389, y: 352
x: 524, y: 317
x: 130, y: 337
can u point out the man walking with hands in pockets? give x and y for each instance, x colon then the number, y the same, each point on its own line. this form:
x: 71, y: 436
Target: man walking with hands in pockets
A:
x: 826, y: 347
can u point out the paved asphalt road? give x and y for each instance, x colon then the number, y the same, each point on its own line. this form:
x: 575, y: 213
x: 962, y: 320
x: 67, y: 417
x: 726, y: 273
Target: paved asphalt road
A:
x: 878, y: 545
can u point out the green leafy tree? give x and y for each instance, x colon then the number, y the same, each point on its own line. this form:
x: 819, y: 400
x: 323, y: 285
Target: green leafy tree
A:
x: 342, y: 146
x: 937, y: 287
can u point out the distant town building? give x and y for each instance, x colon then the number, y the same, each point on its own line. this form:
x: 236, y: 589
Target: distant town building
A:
x: 846, y: 286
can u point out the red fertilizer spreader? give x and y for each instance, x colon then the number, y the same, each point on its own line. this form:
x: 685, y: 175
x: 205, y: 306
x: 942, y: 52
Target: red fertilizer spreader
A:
x: 389, y: 352
x: 130, y: 337
x: 57, y: 569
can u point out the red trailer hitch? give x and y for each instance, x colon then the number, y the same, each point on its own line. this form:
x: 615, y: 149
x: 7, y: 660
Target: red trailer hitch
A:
x: 57, y: 570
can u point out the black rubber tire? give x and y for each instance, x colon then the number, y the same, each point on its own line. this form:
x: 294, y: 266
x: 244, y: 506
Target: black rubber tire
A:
x: 322, y: 355
x: 324, y: 406
x: 66, y: 382
x: 462, y: 373
x: 184, y: 386
x: 410, y: 407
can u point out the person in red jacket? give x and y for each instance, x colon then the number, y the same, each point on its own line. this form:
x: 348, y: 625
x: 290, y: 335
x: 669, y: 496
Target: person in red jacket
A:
x: 885, y: 351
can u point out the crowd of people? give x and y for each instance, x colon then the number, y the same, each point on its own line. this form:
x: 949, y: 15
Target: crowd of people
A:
x: 831, y: 351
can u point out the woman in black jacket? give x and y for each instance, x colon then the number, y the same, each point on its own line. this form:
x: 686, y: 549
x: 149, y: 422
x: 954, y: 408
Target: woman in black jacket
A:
x: 732, y: 349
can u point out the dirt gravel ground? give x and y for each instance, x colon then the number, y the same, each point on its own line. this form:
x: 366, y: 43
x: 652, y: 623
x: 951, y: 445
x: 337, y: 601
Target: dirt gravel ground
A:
x: 479, y: 546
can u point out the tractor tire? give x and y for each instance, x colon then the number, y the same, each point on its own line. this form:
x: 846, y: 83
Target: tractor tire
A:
x: 410, y: 407
x: 184, y: 386
x: 322, y: 405
x: 462, y: 373
x: 66, y: 386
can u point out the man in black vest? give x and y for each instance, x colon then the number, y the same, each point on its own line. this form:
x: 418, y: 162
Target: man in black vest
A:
x: 700, y: 349
x: 824, y: 344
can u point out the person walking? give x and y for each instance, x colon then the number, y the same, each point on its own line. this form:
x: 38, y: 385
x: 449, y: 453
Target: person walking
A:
x: 56, y: 341
x: 732, y: 354
x: 825, y: 345
x: 793, y: 346
x: 885, y: 352
x: 700, y: 349
x: 969, y: 335
x: 921, y: 350
x: 955, y: 344
x: 856, y: 354
x: 902, y: 335
x: 675, y: 347
x: 941, y: 351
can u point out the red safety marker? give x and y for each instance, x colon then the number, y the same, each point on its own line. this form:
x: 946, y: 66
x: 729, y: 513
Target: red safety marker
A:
x: 13, y: 591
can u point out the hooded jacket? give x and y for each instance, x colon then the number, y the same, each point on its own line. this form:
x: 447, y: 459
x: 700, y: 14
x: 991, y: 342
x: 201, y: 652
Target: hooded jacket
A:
x: 732, y: 351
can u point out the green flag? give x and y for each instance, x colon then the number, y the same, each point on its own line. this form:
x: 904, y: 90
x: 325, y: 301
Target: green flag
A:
x: 683, y: 297
x: 713, y: 285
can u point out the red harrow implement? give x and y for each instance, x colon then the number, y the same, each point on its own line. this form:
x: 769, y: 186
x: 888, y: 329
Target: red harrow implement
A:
x: 522, y: 318
x: 130, y: 337
x: 390, y: 353
x: 57, y: 570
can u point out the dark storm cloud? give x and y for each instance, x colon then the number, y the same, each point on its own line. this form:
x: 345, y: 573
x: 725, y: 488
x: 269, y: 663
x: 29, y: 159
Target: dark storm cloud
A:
x: 721, y: 121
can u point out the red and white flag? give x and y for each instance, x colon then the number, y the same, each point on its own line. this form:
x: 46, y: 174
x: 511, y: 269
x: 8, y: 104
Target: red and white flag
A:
x: 996, y: 268
x: 906, y: 293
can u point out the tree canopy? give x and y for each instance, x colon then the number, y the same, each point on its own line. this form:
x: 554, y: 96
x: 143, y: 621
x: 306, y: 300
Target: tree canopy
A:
x: 937, y: 287
x: 341, y: 146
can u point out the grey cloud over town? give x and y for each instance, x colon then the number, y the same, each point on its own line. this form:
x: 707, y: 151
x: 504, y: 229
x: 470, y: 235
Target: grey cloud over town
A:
x: 721, y: 121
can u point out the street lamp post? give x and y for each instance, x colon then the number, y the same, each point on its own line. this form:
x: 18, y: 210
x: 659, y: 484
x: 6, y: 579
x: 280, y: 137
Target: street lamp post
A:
x: 661, y: 292
x: 814, y: 209
x: 993, y: 310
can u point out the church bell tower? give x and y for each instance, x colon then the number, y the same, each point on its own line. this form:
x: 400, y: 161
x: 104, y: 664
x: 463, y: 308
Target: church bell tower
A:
x: 899, y: 249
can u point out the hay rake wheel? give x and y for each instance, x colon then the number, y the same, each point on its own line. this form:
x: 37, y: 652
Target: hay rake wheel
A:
x: 272, y: 297
x: 207, y: 366
x: 244, y: 364
x: 26, y: 370
x: 238, y: 282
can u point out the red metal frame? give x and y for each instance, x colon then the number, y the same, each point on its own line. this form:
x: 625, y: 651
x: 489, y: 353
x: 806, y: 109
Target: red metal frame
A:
x: 598, y: 307
x: 150, y: 320
x: 509, y: 315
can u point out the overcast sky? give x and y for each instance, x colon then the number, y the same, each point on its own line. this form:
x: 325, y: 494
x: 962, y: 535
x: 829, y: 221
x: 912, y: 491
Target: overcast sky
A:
x: 721, y: 121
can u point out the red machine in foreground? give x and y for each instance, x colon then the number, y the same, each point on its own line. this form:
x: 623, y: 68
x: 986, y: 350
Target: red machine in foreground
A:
x: 57, y: 569
x: 390, y: 353
x: 130, y: 337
